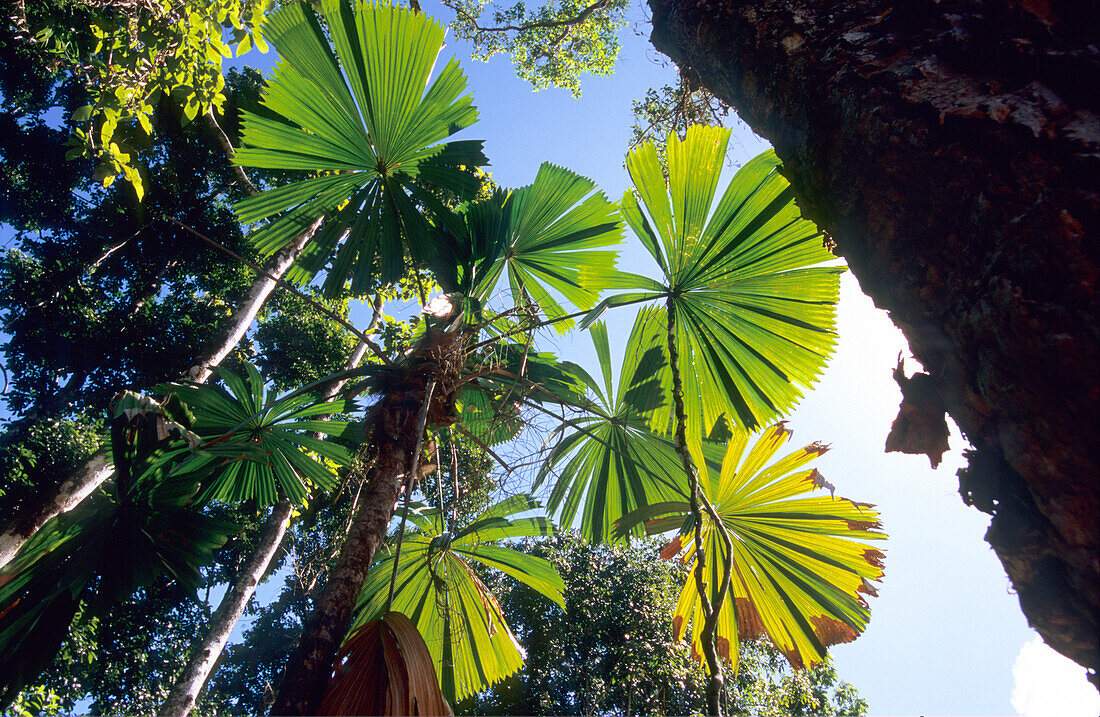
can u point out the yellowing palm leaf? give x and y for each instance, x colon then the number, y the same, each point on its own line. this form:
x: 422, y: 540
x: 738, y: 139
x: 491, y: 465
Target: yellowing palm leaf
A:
x: 797, y: 569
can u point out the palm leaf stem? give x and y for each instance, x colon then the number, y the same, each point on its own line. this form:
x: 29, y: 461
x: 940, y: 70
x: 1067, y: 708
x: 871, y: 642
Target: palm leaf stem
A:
x: 483, y: 446
x: 550, y: 322
x: 421, y: 420
x: 711, y: 611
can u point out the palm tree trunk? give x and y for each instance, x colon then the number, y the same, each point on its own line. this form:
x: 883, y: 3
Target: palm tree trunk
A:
x: 716, y: 680
x: 397, y: 439
x: 185, y: 692
x: 85, y: 479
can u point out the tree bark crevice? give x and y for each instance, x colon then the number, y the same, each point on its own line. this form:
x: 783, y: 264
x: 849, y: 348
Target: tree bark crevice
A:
x: 951, y: 150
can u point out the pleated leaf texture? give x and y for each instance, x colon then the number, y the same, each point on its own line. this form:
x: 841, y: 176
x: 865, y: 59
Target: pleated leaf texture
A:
x: 259, y: 445
x: 353, y: 100
x: 799, y: 572
x: 755, y: 307
x: 608, y: 462
x: 548, y: 238
x: 471, y: 644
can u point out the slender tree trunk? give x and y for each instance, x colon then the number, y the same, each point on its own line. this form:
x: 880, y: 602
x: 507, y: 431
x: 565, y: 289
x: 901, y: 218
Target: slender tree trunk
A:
x: 711, y: 612
x: 185, y: 692
x: 85, y: 479
x: 248, y: 307
x: 397, y: 436
x: 75, y: 488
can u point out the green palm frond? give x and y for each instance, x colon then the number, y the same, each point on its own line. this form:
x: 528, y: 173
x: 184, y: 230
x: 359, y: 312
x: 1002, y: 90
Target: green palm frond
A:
x: 609, y: 461
x: 352, y: 100
x: 547, y: 237
x: 755, y: 310
x: 461, y: 621
x: 798, y: 571
x: 257, y: 444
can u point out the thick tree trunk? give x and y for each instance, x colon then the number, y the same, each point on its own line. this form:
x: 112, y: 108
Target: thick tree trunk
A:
x: 83, y: 481
x: 186, y: 691
x: 396, y: 437
x: 952, y: 150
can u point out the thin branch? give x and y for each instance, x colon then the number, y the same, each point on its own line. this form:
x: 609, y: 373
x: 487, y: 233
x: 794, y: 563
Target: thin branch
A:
x: 230, y: 153
x: 289, y: 287
x: 481, y: 444
x: 577, y: 19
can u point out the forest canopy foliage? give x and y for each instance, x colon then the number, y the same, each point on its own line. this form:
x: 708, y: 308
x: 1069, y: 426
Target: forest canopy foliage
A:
x: 182, y: 350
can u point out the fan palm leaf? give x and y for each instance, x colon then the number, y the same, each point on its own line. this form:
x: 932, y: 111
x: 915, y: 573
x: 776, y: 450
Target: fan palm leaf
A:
x: 755, y: 310
x: 608, y: 462
x: 257, y: 443
x: 547, y: 238
x: 436, y: 587
x: 351, y: 99
x: 798, y: 572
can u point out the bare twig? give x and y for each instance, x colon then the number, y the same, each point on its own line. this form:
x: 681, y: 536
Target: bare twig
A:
x: 230, y: 153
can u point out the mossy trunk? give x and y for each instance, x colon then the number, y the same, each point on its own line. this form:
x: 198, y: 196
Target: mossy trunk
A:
x: 952, y: 151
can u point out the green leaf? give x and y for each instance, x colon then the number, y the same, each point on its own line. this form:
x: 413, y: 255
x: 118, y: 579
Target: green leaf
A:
x: 461, y: 622
x: 358, y: 101
x: 608, y: 462
x: 755, y: 311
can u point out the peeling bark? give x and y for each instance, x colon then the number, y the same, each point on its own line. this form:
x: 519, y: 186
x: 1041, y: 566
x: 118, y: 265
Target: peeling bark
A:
x: 952, y: 151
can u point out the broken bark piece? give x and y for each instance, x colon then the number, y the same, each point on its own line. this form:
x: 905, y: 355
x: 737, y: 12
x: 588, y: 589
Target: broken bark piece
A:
x: 920, y: 426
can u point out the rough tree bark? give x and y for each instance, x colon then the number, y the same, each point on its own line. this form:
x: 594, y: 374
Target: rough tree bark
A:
x: 84, y: 480
x: 952, y: 151
x: 398, y: 427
